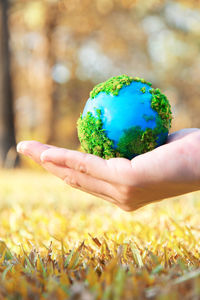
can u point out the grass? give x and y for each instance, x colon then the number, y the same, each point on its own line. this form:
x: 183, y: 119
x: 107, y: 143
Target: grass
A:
x: 59, y: 243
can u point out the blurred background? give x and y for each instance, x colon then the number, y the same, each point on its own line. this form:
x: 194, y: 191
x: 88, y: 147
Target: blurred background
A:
x: 52, y: 53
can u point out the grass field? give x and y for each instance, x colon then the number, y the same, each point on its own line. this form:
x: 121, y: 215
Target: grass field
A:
x: 59, y: 243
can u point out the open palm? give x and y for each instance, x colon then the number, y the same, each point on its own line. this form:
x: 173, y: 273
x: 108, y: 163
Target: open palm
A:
x: 167, y: 171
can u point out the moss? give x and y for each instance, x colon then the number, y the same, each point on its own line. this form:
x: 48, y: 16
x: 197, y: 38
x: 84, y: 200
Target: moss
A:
x: 161, y: 105
x: 115, y: 84
x: 92, y: 136
x: 138, y: 79
x: 135, y: 141
x: 143, y: 89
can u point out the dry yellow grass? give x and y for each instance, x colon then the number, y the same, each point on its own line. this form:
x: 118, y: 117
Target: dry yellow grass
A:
x: 59, y: 243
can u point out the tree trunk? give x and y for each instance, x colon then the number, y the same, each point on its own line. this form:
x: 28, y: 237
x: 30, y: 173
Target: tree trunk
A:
x: 7, y: 132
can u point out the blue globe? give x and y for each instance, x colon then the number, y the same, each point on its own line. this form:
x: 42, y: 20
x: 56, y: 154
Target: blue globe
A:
x: 124, y: 117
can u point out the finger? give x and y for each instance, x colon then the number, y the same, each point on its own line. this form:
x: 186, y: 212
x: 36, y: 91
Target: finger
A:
x: 82, y: 181
x: 112, y: 170
x: 32, y: 149
x: 180, y: 134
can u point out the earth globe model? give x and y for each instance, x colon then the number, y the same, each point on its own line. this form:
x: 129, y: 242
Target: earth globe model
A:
x: 124, y: 117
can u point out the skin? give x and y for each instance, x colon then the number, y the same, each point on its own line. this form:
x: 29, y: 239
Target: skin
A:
x: 167, y: 171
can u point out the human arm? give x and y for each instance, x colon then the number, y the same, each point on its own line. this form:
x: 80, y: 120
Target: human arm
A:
x: 169, y: 170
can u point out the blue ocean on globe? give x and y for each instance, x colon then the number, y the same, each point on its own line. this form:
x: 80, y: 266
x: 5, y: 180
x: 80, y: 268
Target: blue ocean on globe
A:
x: 131, y: 107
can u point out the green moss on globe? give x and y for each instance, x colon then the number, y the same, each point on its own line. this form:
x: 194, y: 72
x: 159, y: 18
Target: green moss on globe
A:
x: 114, y: 85
x: 93, y: 138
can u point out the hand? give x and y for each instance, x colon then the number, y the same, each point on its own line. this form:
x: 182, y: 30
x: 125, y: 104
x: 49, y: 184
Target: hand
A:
x: 169, y: 170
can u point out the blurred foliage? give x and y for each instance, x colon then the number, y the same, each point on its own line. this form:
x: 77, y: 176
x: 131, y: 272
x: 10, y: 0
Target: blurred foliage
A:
x: 60, y: 243
x: 62, y: 48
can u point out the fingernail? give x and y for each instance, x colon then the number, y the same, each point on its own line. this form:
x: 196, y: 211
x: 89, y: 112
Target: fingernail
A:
x: 20, y: 147
x: 43, y: 157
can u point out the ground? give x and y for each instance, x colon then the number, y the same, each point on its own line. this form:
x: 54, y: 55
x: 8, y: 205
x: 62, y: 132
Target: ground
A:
x: 59, y: 243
